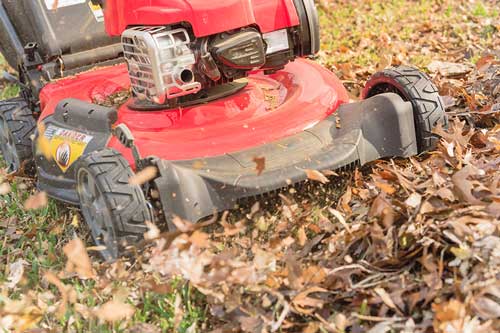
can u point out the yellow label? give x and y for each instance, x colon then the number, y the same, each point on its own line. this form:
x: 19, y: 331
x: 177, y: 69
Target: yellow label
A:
x: 66, y: 146
x: 97, y: 11
x: 94, y: 7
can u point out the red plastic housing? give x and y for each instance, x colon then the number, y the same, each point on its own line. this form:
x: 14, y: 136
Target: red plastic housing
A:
x: 268, y: 109
x: 207, y: 17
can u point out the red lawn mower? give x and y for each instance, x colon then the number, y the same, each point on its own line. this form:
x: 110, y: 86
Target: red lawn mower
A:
x: 213, y: 85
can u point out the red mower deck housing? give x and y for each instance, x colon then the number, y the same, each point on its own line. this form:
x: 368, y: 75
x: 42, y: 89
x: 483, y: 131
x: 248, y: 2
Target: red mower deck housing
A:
x: 303, y: 95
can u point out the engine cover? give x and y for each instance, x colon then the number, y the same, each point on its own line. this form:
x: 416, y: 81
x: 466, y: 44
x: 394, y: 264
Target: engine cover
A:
x: 242, y: 50
x: 160, y: 63
x: 171, y: 65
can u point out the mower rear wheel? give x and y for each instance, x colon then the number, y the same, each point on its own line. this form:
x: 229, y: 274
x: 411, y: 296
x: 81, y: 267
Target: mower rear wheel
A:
x: 416, y: 87
x: 114, y: 210
x: 17, y: 125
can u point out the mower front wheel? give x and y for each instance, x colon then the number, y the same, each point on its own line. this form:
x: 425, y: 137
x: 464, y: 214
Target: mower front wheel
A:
x: 17, y: 125
x: 416, y: 87
x: 114, y: 210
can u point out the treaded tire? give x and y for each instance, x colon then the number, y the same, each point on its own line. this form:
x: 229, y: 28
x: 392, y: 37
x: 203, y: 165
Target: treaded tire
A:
x: 121, y: 207
x: 20, y: 123
x: 416, y: 87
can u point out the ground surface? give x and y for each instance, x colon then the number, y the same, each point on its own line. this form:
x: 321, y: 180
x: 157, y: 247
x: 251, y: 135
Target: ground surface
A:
x: 399, y: 246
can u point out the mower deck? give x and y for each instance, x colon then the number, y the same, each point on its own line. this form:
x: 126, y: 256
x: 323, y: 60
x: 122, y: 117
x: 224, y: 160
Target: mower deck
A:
x: 378, y: 127
x: 269, y: 108
x: 205, y: 152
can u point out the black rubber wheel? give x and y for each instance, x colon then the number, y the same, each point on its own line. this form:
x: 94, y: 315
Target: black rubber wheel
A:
x: 114, y: 210
x: 17, y: 125
x: 416, y: 87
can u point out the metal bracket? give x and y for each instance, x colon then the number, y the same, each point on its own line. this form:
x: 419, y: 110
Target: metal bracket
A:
x: 126, y: 138
x: 32, y: 58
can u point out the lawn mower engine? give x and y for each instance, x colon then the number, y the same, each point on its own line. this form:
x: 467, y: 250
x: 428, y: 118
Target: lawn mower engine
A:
x: 180, y: 62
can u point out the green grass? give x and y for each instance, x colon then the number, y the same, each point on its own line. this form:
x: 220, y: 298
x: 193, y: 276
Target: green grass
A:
x: 35, y: 240
x: 42, y: 234
x: 153, y: 308
x: 482, y: 10
x: 347, y: 24
x: 7, y: 90
x: 160, y: 308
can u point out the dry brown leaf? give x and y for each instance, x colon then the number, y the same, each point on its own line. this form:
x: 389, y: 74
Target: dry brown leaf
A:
x: 341, y: 322
x: 232, y: 229
x: 385, y: 61
x: 345, y: 200
x: 78, y: 259
x: 144, y: 328
x: 83, y: 311
x: 114, y: 311
x: 484, y: 62
x: 445, y: 194
x: 16, y: 272
x: 340, y: 218
x: 144, y: 176
x: 75, y: 221
x: 316, y: 176
x: 55, y: 5
x: 301, y: 236
x: 260, y: 164
x: 330, y: 173
x: 449, y: 315
x: 250, y: 324
x: 183, y: 225
x: 385, y: 187
x: 68, y: 294
x: 153, y: 231
x: 314, y: 275
x: 305, y: 304
x: 346, y: 70
x: 312, y: 327
x: 449, y: 69
x: 487, y: 307
x: 199, y: 239
x: 36, y: 201
x: 197, y: 165
x: 479, y: 140
x: 455, y: 133
x: 178, y: 311
x: 4, y: 188
x: 383, y: 209
x: 386, y: 298
x: 463, y: 186
x: 414, y: 200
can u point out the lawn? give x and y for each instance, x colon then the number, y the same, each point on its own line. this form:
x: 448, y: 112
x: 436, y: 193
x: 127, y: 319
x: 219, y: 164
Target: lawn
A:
x: 396, y: 246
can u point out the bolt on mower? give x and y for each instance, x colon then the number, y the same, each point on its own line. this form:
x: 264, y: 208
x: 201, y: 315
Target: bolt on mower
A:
x: 204, y: 89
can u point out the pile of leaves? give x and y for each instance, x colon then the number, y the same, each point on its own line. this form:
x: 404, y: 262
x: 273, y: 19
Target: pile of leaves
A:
x: 412, y: 245
x: 405, y: 245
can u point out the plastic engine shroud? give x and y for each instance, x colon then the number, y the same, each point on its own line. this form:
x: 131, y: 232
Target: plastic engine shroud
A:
x: 268, y: 109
